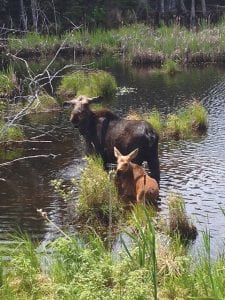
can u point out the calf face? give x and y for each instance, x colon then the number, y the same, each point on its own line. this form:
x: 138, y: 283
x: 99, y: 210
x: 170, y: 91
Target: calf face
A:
x: 123, y: 161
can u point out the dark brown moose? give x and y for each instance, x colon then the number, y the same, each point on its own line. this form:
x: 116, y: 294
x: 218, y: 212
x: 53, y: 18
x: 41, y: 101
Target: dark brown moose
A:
x: 132, y: 181
x: 103, y: 130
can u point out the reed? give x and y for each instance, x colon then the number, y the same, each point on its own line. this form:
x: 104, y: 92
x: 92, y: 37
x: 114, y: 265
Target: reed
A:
x: 6, y: 83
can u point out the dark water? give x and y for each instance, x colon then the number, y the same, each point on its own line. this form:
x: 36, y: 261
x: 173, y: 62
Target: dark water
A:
x: 193, y: 168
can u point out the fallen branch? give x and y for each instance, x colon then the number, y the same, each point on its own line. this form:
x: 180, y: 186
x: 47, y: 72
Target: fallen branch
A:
x: 29, y: 157
x: 10, y: 142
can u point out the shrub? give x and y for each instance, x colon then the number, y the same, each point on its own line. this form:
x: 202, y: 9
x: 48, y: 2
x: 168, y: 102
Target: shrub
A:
x: 99, y: 83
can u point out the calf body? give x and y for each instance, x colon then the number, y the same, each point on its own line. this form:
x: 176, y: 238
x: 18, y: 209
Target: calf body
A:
x: 102, y: 130
x: 132, y: 181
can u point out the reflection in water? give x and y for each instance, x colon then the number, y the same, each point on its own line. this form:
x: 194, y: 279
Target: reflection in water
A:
x: 194, y: 168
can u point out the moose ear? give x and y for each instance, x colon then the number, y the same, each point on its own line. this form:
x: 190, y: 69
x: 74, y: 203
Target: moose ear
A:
x: 117, y: 152
x: 67, y: 104
x: 95, y: 99
x: 132, y: 155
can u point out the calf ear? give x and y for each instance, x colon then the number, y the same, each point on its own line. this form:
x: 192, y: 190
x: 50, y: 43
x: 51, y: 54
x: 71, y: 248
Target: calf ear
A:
x: 67, y: 104
x: 117, y: 152
x: 132, y: 155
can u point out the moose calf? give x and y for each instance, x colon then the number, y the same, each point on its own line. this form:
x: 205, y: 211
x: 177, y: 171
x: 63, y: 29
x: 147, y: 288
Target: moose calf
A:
x: 132, y: 181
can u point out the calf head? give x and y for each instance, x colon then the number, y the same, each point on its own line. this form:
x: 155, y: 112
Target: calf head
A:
x: 123, y: 161
x: 80, y: 108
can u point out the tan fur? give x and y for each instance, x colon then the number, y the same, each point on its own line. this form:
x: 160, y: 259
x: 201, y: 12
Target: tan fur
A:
x: 133, y: 183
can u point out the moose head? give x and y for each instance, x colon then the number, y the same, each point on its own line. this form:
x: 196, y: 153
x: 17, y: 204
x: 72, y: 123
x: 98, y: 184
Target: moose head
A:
x: 80, y: 108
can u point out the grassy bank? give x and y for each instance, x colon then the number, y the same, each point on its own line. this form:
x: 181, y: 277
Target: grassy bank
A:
x: 82, y: 268
x: 138, y: 43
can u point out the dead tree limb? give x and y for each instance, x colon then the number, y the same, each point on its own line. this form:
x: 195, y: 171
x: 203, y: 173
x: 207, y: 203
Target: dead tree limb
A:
x: 51, y: 155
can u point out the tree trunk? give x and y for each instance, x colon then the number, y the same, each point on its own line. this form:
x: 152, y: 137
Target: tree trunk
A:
x: 34, y: 10
x: 162, y: 7
x: 203, y: 8
x: 183, y: 7
x: 23, y: 15
x: 192, y: 17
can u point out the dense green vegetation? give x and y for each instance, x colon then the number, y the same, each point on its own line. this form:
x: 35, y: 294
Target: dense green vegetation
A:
x: 137, y: 43
x: 82, y: 268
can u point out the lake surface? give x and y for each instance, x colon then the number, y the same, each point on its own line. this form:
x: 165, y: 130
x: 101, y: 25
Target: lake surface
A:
x: 193, y: 168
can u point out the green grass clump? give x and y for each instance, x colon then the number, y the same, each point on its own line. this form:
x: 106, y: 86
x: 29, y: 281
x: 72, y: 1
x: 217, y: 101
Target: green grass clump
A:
x: 186, y: 123
x: 179, y: 223
x: 12, y: 133
x: 32, y: 41
x: 44, y: 103
x: 170, y: 66
x: 6, y: 83
x: 96, y: 189
x: 99, y: 83
x: 155, y: 119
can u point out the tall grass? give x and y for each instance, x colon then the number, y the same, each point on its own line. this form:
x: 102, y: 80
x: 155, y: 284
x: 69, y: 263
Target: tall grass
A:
x: 139, y: 43
x: 185, y: 123
x: 10, y: 133
x: 6, y: 82
x: 150, y: 267
x: 99, y: 83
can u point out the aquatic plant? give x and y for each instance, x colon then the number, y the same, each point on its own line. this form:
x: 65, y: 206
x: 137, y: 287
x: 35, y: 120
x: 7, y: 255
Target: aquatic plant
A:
x: 96, y: 190
x: 99, y: 83
x: 178, y: 222
x: 170, y: 66
x: 185, y: 123
x: 44, y: 103
x: 12, y: 132
x: 156, y: 120
x: 6, y: 83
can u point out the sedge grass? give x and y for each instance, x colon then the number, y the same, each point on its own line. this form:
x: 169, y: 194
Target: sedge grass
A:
x: 99, y: 83
x: 185, y: 123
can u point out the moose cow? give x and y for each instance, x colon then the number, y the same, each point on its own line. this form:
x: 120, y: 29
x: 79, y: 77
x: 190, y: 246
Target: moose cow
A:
x: 102, y: 130
x: 132, y: 181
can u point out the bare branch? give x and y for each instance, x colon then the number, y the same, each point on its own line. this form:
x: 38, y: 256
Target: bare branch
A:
x: 29, y: 157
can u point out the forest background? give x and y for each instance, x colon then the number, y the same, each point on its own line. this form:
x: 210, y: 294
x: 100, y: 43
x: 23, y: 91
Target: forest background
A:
x: 56, y: 16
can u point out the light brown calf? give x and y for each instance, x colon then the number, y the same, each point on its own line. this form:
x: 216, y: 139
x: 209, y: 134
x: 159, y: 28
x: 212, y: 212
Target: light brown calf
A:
x: 132, y: 181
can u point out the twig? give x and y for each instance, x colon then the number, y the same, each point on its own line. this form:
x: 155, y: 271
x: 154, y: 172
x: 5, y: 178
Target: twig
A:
x: 45, y: 216
x: 23, y: 141
x: 29, y: 157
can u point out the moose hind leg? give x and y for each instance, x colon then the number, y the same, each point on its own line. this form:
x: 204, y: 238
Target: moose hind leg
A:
x: 153, y: 164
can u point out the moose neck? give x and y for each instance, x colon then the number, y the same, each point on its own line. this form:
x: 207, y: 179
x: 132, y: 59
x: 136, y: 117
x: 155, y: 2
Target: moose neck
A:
x: 87, y: 124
